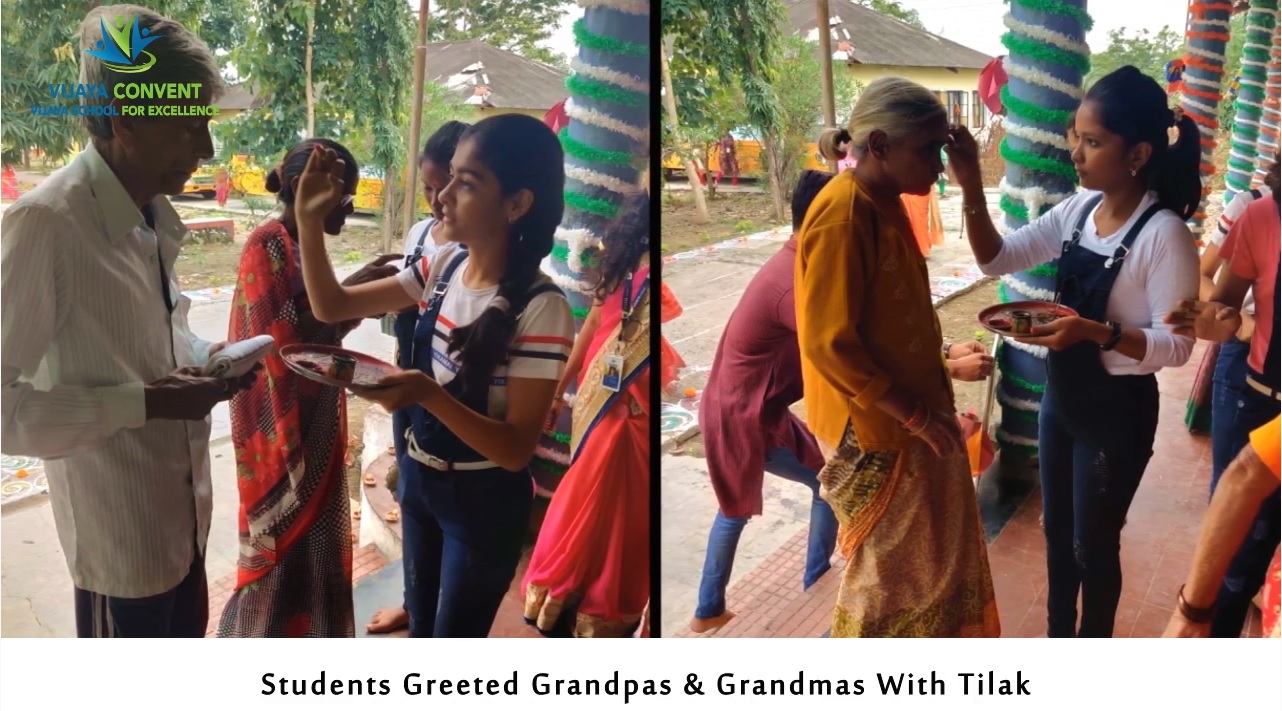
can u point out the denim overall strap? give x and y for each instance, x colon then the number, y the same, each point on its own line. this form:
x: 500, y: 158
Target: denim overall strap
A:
x: 1096, y: 405
x: 403, y: 326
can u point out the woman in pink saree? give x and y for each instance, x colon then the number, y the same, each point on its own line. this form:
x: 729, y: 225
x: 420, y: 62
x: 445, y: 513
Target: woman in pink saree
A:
x: 589, y: 575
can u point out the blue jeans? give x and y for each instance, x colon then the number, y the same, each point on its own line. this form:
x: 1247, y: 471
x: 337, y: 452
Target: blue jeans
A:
x: 1251, y: 410
x: 724, y: 537
x: 463, y: 534
x: 1228, y: 383
x: 1086, y: 492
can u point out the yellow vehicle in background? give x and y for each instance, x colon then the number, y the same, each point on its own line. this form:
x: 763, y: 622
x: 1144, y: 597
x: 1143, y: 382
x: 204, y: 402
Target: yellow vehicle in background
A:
x: 202, y: 182
x: 747, y: 150
x: 249, y: 178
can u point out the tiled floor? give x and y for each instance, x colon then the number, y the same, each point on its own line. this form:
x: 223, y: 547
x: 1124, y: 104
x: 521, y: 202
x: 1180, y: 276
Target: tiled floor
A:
x: 1157, y: 548
x: 385, y: 589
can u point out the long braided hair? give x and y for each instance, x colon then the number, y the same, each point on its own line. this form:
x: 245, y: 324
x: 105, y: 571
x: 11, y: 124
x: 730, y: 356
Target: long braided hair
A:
x: 523, y: 154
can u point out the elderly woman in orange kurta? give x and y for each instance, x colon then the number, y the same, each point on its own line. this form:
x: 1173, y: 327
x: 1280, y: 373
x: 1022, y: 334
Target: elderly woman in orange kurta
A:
x: 877, y: 392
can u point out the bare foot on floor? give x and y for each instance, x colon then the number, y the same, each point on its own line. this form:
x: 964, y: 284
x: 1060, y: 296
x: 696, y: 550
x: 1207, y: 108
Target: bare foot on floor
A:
x: 390, y: 620
x: 699, y: 626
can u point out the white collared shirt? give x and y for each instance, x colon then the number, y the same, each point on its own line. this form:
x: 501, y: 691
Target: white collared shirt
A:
x: 85, y: 326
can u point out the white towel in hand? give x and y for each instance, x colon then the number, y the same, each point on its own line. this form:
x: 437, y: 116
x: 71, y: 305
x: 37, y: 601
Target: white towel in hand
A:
x: 238, y: 358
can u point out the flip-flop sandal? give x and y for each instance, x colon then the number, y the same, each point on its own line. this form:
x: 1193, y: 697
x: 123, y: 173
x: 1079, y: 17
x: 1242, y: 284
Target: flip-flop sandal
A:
x: 369, y: 480
x: 392, y: 516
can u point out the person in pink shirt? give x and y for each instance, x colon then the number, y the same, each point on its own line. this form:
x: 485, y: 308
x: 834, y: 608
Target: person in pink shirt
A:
x: 1251, y: 253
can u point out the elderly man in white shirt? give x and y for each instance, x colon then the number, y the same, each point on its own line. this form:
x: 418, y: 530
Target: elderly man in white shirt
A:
x: 100, y: 371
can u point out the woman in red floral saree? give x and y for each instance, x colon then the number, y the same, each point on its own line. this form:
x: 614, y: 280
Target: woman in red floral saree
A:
x: 294, y: 572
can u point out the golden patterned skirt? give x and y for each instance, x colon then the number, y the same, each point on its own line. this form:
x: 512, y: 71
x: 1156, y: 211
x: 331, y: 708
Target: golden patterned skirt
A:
x: 910, y: 531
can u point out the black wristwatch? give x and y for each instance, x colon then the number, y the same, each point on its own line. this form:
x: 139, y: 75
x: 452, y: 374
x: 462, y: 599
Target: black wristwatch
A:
x: 1114, y: 339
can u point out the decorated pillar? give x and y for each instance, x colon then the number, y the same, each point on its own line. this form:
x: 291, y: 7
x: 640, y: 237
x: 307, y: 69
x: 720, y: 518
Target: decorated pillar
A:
x: 1261, y: 18
x: 1267, y: 148
x: 1202, y: 84
x: 608, y: 113
x: 1048, y: 58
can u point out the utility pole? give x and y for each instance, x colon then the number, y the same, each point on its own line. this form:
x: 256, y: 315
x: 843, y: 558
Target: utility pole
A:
x: 416, y: 121
x: 824, y: 25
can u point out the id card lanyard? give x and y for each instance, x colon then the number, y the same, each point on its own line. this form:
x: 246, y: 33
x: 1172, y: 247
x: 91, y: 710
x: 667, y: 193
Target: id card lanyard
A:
x: 612, y: 379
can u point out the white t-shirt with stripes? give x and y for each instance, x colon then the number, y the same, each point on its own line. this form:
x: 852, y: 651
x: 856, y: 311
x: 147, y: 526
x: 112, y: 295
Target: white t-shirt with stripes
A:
x: 539, y: 350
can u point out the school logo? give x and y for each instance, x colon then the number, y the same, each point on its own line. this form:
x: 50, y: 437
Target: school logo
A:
x: 123, y: 46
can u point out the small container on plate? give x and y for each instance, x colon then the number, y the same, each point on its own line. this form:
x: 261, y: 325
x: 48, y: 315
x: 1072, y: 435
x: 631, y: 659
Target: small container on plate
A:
x: 342, y: 368
x: 1021, y: 322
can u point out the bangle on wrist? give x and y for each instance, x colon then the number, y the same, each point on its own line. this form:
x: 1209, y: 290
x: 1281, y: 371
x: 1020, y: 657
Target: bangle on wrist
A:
x: 1196, y: 615
x: 918, y: 419
x: 948, y: 347
x: 921, y: 426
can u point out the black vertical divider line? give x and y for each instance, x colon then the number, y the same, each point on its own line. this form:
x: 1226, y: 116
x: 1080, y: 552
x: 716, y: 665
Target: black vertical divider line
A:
x: 656, y: 278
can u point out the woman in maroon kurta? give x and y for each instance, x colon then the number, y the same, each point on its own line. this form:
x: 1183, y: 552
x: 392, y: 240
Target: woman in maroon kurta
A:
x: 748, y: 428
x: 746, y: 424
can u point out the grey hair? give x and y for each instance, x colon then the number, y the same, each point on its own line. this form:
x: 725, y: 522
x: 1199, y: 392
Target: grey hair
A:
x: 896, y: 107
x: 181, y: 58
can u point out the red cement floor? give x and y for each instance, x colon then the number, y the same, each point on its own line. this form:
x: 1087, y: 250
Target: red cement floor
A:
x: 1157, y: 549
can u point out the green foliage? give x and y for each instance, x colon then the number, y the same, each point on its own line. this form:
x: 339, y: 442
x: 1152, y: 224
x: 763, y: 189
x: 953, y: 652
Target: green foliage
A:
x: 896, y: 10
x: 274, y: 59
x: 1147, y: 51
x: 733, y: 40
x: 39, y: 46
x: 798, y: 83
x: 703, y: 122
x: 518, y: 27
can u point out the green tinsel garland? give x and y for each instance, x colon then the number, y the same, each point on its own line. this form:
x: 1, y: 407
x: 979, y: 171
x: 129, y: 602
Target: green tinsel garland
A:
x: 1045, y: 52
x: 1036, y: 162
x: 1044, y: 270
x: 1018, y: 210
x: 582, y: 86
x: 588, y: 154
x: 583, y: 37
x: 1018, y: 381
x: 580, y: 314
x: 550, y: 466
x: 586, y: 258
x: 1009, y: 446
x: 1056, y: 7
x: 583, y: 203
x: 1033, y: 112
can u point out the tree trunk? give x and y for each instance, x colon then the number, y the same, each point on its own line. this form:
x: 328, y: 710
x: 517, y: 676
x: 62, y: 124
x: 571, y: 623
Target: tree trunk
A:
x: 692, y: 170
x: 1032, y: 185
x: 1260, y: 20
x: 1204, y: 76
x: 388, y: 217
x: 311, y: 99
x: 1268, y: 148
x: 777, y: 188
x: 603, y: 178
